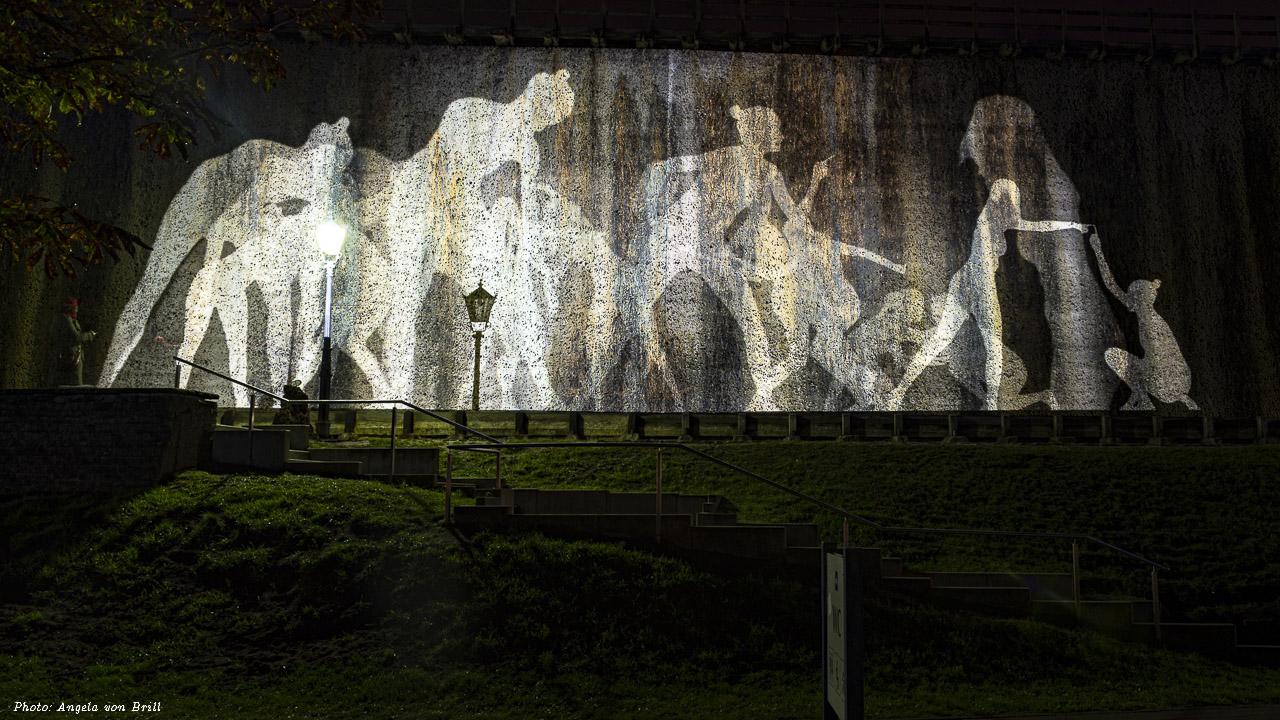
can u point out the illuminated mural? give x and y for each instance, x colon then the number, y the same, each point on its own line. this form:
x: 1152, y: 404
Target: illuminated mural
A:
x: 255, y: 212
x: 699, y: 258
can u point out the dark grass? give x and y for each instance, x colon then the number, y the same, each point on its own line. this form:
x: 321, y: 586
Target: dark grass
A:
x: 1206, y: 512
x: 249, y: 596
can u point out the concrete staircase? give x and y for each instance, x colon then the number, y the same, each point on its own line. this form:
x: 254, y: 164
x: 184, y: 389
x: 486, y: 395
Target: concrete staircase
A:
x: 288, y: 448
x: 705, y: 527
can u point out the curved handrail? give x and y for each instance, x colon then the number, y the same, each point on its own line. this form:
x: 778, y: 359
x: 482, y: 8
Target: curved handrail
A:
x: 847, y: 514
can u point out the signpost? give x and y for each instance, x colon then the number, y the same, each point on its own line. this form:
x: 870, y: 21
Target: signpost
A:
x: 841, y: 636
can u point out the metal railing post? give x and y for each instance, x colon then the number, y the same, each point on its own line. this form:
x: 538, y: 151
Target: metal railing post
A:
x: 1075, y: 577
x: 391, y: 473
x: 448, y: 489
x: 177, y: 376
x: 253, y: 401
x: 845, y: 534
x: 658, y: 509
x: 497, y: 470
x: 1155, y: 602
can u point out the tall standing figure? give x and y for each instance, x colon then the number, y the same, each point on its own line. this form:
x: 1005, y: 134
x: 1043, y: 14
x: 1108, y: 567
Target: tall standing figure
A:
x: 709, y: 215
x: 972, y: 292
x: 1005, y: 140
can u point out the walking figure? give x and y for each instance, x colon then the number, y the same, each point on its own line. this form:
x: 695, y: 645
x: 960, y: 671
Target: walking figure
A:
x: 972, y: 292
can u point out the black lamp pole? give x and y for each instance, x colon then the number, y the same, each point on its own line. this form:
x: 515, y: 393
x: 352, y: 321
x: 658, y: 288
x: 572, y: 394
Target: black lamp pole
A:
x: 475, y: 376
x: 326, y: 356
x: 330, y: 236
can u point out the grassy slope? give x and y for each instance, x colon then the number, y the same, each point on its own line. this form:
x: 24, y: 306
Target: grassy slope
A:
x: 302, y: 597
x: 1206, y: 512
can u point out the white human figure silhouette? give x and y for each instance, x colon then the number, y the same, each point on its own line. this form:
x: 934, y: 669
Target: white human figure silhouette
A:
x: 430, y: 217
x: 1161, y: 372
x: 518, y: 251
x: 708, y: 215
x: 972, y: 292
x: 1013, y: 374
x: 273, y: 261
x: 1004, y: 140
x: 262, y: 202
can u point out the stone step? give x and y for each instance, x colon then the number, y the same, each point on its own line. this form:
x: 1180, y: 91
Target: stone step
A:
x: 377, y: 461
x: 892, y: 567
x: 715, y: 518
x: 1260, y: 632
x: 1261, y: 654
x: 798, y: 534
x: 1043, y: 586
x: 999, y: 601
x: 752, y: 542
x: 907, y: 585
x: 330, y: 468
x: 1210, y: 638
x: 481, y: 517
x: 259, y: 449
x: 480, y: 483
x: 533, y: 501
x: 1104, y: 615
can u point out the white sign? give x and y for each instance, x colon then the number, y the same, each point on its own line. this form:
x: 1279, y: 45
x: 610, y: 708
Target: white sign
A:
x: 836, y: 621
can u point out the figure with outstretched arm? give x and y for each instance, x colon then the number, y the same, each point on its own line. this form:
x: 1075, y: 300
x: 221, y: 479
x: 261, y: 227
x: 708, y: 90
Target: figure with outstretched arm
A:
x: 972, y: 292
x: 1162, y: 371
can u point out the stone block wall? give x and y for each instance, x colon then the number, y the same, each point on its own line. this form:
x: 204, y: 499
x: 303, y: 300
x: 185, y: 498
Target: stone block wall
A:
x: 93, y: 439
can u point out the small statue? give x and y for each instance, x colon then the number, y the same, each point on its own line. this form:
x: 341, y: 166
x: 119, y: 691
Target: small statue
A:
x: 70, y: 368
x: 297, y: 412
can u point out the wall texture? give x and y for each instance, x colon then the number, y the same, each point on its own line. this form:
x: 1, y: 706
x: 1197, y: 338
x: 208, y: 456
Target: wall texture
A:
x: 91, y: 439
x: 671, y: 230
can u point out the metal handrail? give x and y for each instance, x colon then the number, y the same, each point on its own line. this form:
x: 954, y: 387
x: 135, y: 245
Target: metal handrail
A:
x: 496, y: 446
x: 395, y: 403
x: 453, y: 423
x: 228, y: 378
x: 847, y: 515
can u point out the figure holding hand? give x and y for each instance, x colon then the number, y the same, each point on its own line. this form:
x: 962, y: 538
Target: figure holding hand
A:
x: 1161, y: 372
x: 972, y: 292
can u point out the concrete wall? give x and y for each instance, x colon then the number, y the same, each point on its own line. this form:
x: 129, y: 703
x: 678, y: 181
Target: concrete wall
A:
x: 698, y: 231
x: 91, y: 439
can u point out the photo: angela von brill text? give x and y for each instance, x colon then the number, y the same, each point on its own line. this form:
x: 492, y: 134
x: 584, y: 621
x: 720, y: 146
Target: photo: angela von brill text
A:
x: 85, y: 707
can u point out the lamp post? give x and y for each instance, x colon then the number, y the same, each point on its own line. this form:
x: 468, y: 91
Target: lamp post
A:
x: 479, y: 303
x: 329, y: 237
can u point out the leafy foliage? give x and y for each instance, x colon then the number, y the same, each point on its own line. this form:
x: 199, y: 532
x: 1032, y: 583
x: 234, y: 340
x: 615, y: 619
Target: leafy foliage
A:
x: 61, y: 60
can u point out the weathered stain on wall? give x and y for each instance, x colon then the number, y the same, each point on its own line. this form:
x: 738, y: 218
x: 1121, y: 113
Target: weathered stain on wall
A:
x: 672, y: 230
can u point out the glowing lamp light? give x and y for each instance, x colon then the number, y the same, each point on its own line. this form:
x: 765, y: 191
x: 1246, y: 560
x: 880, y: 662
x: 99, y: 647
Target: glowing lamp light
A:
x: 330, y: 236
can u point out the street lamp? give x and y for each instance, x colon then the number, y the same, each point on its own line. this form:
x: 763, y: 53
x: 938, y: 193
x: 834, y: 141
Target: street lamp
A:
x: 479, y: 303
x: 329, y: 238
